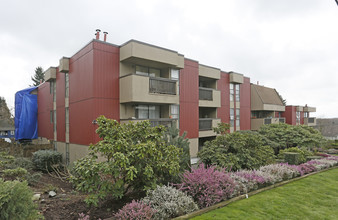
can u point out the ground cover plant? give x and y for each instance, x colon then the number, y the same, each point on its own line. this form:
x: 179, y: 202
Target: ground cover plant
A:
x: 314, y: 197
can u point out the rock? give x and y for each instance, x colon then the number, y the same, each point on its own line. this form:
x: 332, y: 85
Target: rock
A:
x: 42, y: 201
x: 36, y: 196
x: 52, y: 194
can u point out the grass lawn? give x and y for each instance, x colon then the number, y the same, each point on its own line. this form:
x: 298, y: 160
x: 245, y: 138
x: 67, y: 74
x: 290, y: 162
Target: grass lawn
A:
x: 314, y: 197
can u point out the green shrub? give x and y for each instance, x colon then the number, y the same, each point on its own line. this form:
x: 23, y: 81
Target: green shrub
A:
x: 23, y: 162
x: 5, y: 159
x: 169, y: 202
x: 238, y: 150
x: 291, y: 158
x: 136, y: 158
x: 14, y: 173
x: 44, y: 159
x: 303, y: 153
x: 33, y: 178
x: 16, y: 201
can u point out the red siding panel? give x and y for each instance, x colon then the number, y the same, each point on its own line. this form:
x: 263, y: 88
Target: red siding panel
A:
x: 223, y: 85
x: 189, y: 99
x: 290, y: 115
x: 245, y: 102
x: 45, y: 105
x: 93, y: 89
x: 81, y: 128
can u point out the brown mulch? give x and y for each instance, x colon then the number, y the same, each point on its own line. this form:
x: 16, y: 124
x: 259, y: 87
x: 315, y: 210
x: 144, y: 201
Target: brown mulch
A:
x: 69, y: 203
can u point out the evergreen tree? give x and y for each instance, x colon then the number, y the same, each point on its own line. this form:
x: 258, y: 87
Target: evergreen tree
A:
x: 173, y: 137
x: 38, y: 77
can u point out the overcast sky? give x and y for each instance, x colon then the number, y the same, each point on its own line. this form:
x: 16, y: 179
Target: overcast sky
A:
x: 290, y: 45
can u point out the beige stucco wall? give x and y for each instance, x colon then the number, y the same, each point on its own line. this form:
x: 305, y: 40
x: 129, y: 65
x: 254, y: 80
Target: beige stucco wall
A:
x: 209, y: 72
x: 309, y: 109
x: 139, y: 50
x: 269, y: 107
x: 236, y: 78
x: 216, y: 102
x: 193, y: 147
x: 64, y: 65
x: 135, y: 88
x: 50, y: 73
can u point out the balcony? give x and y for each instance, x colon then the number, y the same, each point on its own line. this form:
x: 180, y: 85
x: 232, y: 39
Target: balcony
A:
x: 256, y: 123
x: 206, y: 125
x: 310, y: 121
x: 209, y: 97
x: 144, y: 89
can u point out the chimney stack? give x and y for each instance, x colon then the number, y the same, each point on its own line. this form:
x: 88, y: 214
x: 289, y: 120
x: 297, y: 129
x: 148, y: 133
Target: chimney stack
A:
x: 105, y: 36
x: 98, y: 34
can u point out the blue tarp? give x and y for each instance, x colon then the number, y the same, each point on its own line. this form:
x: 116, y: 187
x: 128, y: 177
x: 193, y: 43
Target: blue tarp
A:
x: 26, y: 114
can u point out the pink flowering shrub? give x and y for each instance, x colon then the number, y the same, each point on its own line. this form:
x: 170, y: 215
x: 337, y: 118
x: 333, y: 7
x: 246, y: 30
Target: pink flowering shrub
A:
x: 306, y: 168
x: 135, y: 210
x: 207, y: 185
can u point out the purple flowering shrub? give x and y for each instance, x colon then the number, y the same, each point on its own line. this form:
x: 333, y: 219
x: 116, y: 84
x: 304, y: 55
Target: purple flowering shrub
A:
x: 135, y: 210
x: 208, y: 185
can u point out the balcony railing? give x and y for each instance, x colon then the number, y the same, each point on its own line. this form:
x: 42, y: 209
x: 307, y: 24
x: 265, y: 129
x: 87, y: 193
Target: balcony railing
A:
x: 205, y: 94
x: 166, y: 122
x: 267, y: 121
x: 162, y: 86
x: 205, y: 124
x: 311, y: 120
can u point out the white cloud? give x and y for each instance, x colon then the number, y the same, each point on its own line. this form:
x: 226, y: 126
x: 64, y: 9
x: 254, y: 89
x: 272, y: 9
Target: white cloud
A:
x: 288, y: 45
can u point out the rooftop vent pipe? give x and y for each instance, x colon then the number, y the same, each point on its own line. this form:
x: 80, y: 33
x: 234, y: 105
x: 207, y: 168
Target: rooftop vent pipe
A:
x: 105, y: 36
x: 98, y: 34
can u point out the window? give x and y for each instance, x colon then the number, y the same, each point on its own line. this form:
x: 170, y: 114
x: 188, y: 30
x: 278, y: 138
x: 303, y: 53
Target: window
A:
x: 54, y: 120
x: 174, y: 111
x: 231, y: 92
x: 237, y: 118
x: 67, y: 119
x: 232, y: 117
x: 141, y: 70
x: 146, y: 71
x: 306, y: 114
x: 67, y: 85
x: 51, y: 87
x: 298, y: 117
x: 175, y: 75
x: 54, y: 91
x: 67, y: 153
x: 51, y: 117
x: 147, y: 111
x: 154, y: 72
x: 237, y: 92
x: 154, y: 111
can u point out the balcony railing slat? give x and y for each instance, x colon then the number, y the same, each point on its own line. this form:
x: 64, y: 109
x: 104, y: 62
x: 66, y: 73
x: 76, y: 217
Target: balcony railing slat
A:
x: 311, y: 120
x: 162, y: 86
x: 205, y: 124
x: 205, y: 94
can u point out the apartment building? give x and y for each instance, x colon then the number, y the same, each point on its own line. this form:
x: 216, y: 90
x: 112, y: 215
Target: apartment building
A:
x: 299, y: 115
x: 266, y: 107
x: 137, y: 81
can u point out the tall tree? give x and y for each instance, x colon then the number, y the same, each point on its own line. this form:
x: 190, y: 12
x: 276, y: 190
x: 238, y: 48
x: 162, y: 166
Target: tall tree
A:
x: 38, y: 77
